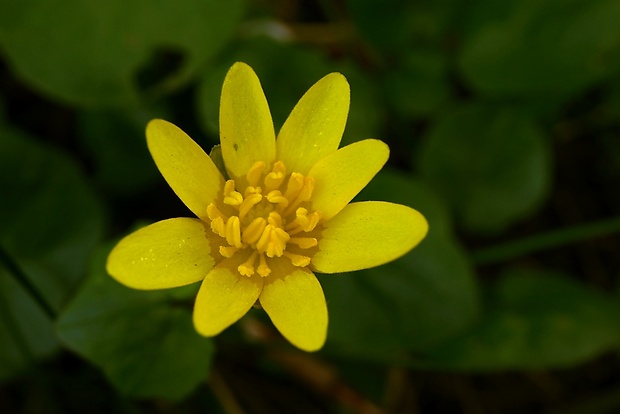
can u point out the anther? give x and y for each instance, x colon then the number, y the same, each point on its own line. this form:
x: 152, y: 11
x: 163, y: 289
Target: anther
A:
x: 218, y: 227
x: 297, y: 259
x: 252, y: 190
x: 274, y: 219
x: 303, y: 221
x: 313, y: 220
x: 233, y: 199
x: 304, y: 194
x: 295, y: 182
x: 279, y: 237
x: 276, y: 197
x: 263, y: 269
x: 247, y: 268
x: 276, y: 177
x: 254, y: 230
x: 213, y: 212
x: 304, y: 242
x: 248, y: 203
x: 261, y: 245
x: 255, y: 172
x: 233, y: 232
x: 301, y: 218
x: 228, y: 251
x: 273, y: 241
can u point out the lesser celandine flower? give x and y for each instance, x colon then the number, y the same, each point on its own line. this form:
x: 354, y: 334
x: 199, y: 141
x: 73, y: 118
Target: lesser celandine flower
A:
x: 281, y: 212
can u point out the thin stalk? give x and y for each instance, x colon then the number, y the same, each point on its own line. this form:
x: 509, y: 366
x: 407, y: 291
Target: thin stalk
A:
x: 20, y: 277
x: 8, y: 318
x: 545, y: 241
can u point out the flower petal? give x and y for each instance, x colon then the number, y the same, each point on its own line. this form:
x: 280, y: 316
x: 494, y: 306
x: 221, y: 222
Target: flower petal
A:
x: 368, y: 234
x: 341, y: 175
x: 166, y: 254
x: 186, y: 167
x: 314, y: 128
x: 296, y: 305
x: 224, y: 297
x: 246, y: 128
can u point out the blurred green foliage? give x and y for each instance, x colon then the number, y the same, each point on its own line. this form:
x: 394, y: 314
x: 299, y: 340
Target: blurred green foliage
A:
x: 50, y: 220
x: 476, y: 150
x: 145, y: 344
x: 94, y: 53
x: 484, y: 104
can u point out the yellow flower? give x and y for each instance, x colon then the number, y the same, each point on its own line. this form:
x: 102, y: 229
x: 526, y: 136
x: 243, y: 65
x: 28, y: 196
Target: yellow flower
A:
x: 281, y: 213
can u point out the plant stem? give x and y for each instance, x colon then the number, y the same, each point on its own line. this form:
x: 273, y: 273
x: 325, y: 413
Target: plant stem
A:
x: 20, y: 277
x: 544, y: 241
x: 8, y: 318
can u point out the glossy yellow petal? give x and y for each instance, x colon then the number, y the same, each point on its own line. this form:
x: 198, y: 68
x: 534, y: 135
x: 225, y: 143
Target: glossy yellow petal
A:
x: 186, y: 167
x: 294, y: 300
x: 341, y: 175
x: 368, y: 234
x: 165, y: 254
x: 246, y: 128
x: 314, y: 129
x: 224, y: 297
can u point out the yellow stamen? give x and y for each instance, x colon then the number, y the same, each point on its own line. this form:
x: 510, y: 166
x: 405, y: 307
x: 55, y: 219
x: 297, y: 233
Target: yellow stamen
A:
x: 218, y: 227
x: 303, y: 222
x: 248, y: 203
x: 213, y: 212
x: 295, y: 182
x: 275, y: 219
x: 261, y: 245
x: 270, y: 211
x: 247, y: 268
x: 256, y: 171
x: 263, y: 269
x: 265, y: 239
x: 254, y: 230
x: 252, y: 190
x: 279, y: 168
x: 301, y: 218
x: 232, y: 197
x: 304, y: 242
x: 276, y: 197
x: 233, y: 232
x: 273, y: 241
x: 279, y: 238
x: 228, y: 251
x: 275, y: 178
x: 297, y: 259
x: 313, y: 220
x: 304, y: 194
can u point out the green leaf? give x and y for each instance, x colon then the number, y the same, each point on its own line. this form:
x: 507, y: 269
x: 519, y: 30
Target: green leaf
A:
x: 491, y: 164
x: 49, y: 222
x: 26, y: 332
x: 144, y: 342
x: 539, y: 320
x: 283, y: 90
x: 614, y: 97
x: 360, y: 325
x: 392, y: 26
x: 419, y: 85
x: 99, y: 52
x: 411, y: 304
x: 546, y: 50
x: 115, y: 142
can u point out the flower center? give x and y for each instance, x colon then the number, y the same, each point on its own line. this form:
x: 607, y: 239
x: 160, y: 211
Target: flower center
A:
x: 270, y: 218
